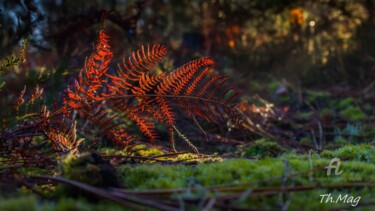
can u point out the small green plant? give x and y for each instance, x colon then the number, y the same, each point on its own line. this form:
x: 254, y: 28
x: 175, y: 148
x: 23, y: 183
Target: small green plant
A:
x: 264, y: 148
x: 353, y: 114
x: 10, y: 61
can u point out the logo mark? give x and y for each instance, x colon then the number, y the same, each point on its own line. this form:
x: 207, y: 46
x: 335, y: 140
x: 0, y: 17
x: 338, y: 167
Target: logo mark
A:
x: 335, y: 163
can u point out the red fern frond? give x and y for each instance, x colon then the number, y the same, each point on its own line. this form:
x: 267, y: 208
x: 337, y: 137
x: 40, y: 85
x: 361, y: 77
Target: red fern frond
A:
x: 146, y: 83
x: 85, y: 93
x: 97, y: 64
x: 36, y: 94
x: 143, y: 121
x: 90, y: 78
x: 145, y: 124
x: 209, y: 84
x: 193, y: 85
x: 176, y: 80
x: 20, y: 99
x: 64, y: 138
x: 136, y: 94
x: 140, y: 61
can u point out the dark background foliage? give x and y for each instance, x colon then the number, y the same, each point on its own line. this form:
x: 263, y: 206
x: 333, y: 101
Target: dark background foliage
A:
x: 312, y: 43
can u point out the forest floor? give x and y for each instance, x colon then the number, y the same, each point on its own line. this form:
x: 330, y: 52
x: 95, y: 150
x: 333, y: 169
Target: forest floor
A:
x: 284, y: 167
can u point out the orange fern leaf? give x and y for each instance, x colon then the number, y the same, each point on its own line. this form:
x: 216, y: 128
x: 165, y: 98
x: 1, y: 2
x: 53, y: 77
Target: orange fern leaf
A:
x: 136, y: 94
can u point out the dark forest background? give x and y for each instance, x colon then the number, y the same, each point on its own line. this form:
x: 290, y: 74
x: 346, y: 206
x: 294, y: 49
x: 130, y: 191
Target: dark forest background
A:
x: 300, y: 43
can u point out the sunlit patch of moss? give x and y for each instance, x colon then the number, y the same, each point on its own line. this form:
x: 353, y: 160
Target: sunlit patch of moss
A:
x: 177, y: 176
x: 352, y: 113
x: 186, y: 157
x: 143, y: 150
x: 264, y: 148
x: 236, y: 171
x: 111, y: 151
x: 192, y: 157
x: 361, y: 152
x: 231, y: 171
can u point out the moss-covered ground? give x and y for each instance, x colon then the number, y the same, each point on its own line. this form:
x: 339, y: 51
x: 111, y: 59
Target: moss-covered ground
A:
x: 257, y: 181
x: 283, y: 169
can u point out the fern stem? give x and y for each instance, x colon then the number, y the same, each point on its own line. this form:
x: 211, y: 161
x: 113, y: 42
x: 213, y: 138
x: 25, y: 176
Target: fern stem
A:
x: 186, y: 140
x: 166, y: 96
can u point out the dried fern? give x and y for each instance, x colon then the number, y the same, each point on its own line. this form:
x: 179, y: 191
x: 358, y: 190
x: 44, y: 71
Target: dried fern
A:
x: 136, y: 94
x: 107, y: 100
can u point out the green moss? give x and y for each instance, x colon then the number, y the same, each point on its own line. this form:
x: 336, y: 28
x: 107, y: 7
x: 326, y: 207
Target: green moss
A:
x: 231, y: 171
x: 264, y: 148
x: 143, y: 150
x: 352, y: 113
x: 357, y: 165
x: 111, y: 151
x: 345, y: 103
x: 362, y: 152
x: 254, y: 174
x: 192, y: 157
x: 236, y: 171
